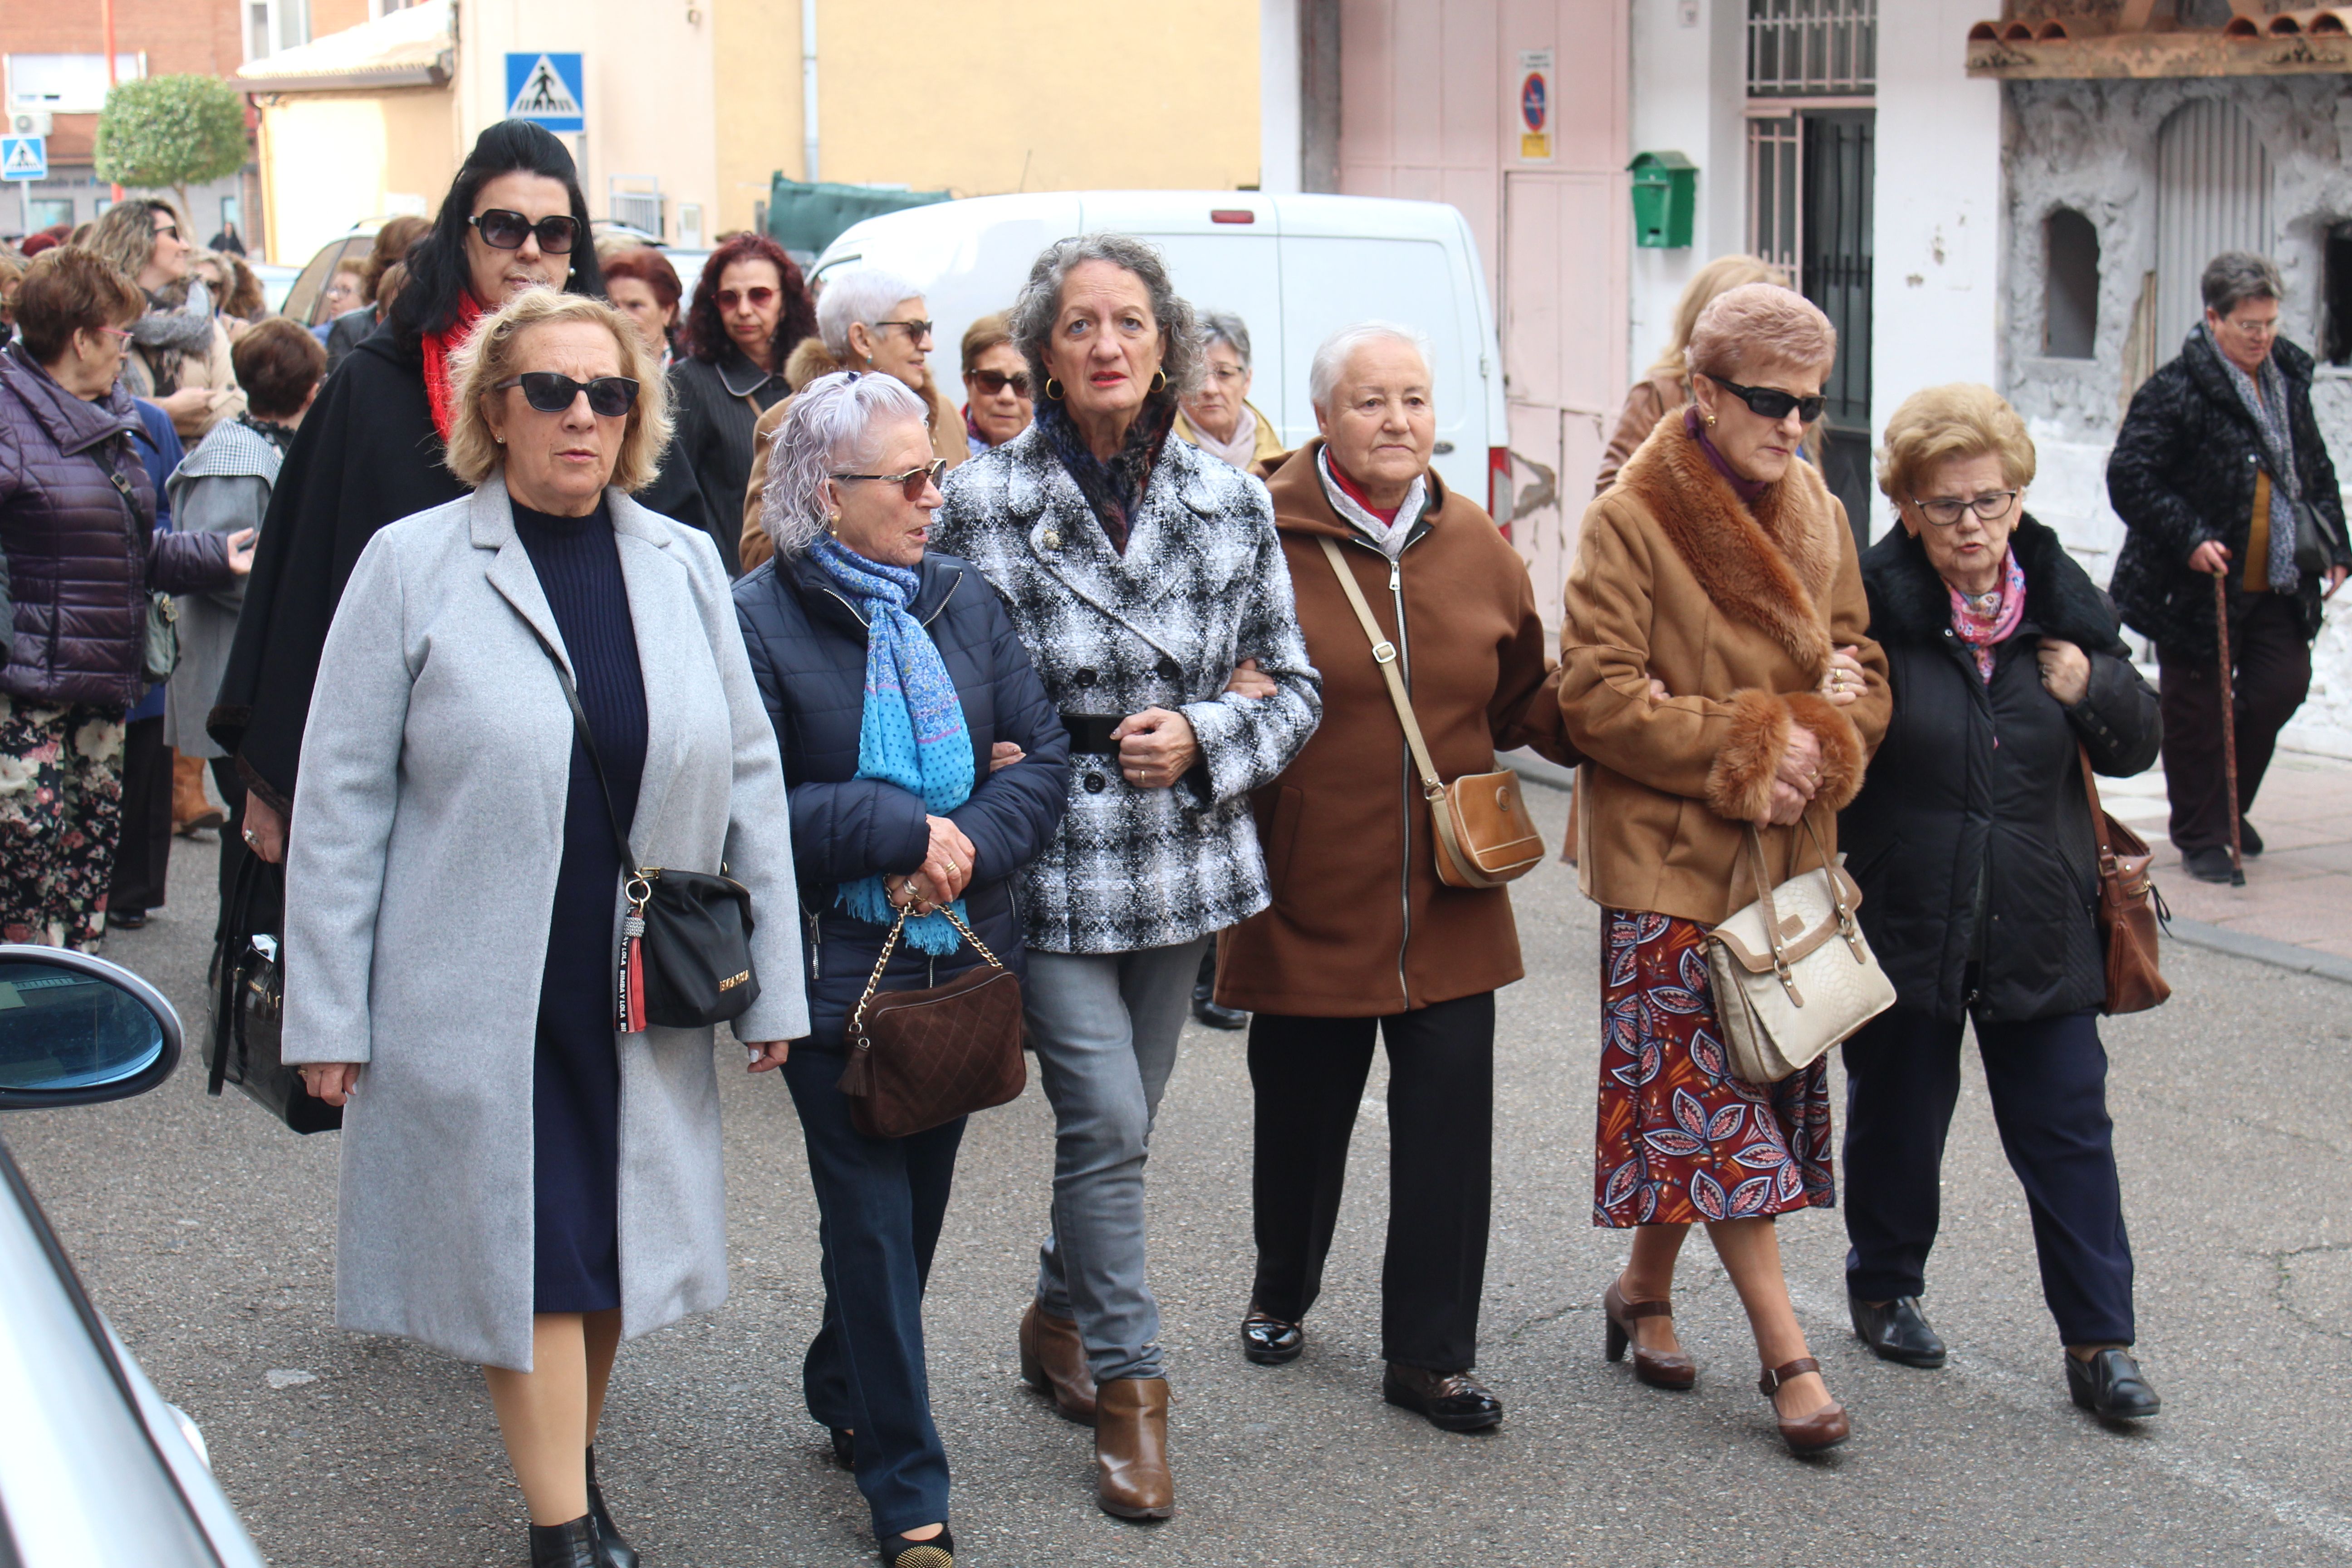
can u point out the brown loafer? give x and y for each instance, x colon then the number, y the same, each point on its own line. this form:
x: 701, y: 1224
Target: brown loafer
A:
x: 1054, y: 1363
x: 1132, y: 1476
x: 1825, y: 1428
x: 1659, y: 1369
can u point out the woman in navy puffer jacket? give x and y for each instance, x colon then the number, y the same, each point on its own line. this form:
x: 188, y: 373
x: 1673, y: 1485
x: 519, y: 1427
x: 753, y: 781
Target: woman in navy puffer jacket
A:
x: 77, y: 523
x: 926, y: 767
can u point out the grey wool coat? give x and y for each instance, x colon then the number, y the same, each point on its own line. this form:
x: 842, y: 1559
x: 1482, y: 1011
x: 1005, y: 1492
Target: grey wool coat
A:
x: 1202, y: 585
x: 221, y: 486
x: 420, y: 882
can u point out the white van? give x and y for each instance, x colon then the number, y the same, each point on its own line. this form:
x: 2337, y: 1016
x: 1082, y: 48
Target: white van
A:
x: 1293, y: 268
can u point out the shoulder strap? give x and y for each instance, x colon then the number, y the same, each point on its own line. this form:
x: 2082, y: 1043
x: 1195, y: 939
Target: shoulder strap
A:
x: 1385, y: 654
x: 2098, y: 812
x: 588, y: 741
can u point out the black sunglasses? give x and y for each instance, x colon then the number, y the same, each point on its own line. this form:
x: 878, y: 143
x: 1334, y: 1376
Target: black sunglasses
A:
x: 912, y: 483
x: 609, y: 397
x: 504, y: 230
x: 992, y: 382
x: 1770, y: 402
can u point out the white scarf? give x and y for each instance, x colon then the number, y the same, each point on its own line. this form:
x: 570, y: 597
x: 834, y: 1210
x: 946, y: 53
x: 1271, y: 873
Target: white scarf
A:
x: 1240, y: 449
x: 1390, y: 536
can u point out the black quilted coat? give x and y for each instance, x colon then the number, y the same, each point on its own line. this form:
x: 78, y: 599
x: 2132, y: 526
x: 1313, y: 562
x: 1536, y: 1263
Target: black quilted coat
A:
x: 2183, y: 472
x: 808, y: 654
x: 1973, y: 809
x: 81, y: 561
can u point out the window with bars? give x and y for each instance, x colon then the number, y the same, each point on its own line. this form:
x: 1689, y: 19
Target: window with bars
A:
x: 1813, y: 49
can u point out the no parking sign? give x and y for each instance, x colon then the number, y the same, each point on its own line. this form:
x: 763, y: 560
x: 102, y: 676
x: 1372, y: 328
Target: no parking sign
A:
x: 1535, y: 101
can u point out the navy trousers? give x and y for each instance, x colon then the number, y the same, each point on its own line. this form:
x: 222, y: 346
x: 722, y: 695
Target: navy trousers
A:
x: 2048, y: 1080
x: 880, y: 1203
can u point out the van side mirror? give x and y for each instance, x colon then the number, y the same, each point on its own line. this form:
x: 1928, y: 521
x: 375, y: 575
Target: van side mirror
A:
x: 76, y: 1030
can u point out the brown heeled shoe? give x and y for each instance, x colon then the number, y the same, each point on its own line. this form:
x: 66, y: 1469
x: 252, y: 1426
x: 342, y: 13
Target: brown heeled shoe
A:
x: 1825, y: 1428
x: 1659, y: 1369
x: 1054, y: 1363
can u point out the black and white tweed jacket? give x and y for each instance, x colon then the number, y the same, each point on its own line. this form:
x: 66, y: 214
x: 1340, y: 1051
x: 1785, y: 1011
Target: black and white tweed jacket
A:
x: 1201, y: 587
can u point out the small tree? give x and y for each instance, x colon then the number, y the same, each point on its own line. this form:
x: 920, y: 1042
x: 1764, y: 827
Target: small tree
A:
x: 170, y: 131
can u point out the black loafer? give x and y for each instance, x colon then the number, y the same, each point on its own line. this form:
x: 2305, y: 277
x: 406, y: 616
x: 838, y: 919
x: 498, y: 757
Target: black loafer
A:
x: 2208, y: 865
x: 844, y: 1448
x: 2111, y: 1386
x: 1269, y: 1340
x: 1449, y: 1401
x: 1205, y: 1008
x: 1896, y: 1332
x: 2250, y: 843
x: 125, y: 919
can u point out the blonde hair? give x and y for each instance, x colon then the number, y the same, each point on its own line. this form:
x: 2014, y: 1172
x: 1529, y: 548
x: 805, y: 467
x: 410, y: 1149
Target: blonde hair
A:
x: 1758, y: 321
x: 493, y: 354
x: 1719, y: 275
x: 1958, y: 420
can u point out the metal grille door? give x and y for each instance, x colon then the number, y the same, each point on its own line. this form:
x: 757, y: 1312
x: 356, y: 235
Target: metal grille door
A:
x: 2213, y: 194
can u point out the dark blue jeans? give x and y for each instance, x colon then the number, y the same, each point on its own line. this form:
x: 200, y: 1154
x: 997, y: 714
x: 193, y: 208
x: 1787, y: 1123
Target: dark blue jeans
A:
x: 880, y: 1202
x: 2048, y: 1080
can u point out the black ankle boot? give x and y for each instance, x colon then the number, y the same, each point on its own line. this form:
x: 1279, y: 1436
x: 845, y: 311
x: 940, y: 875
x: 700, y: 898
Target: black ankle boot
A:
x: 938, y: 1552
x: 618, y: 1552
x: 572, y: 1544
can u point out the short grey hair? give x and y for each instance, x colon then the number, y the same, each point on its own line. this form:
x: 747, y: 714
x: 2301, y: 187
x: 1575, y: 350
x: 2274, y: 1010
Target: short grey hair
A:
x: 862, y: 297
x: 1033, y: 313
x: 834, y: 424
x: 2236, y: 276
x: 1332, y: 358
x: 1224, y: 327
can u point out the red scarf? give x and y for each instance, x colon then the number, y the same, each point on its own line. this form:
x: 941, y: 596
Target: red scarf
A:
x: 439, y: 347
x: 1355, y: 492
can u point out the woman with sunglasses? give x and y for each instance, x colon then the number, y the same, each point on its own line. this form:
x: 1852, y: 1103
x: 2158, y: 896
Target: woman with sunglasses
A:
x: 180, y: 351
x: 1718, y: 680
x: 858, y: 631
x: 749, y: 309
x: 998, y: 400
x: 1977, y: 857
x: 455, y: 887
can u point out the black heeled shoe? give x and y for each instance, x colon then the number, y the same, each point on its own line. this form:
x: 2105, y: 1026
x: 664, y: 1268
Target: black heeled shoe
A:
x: 617, y: 1551
x: 844, y: 1448
x: 938, y: 1552
x: 1896, y: 1330
x: 1269, y: 1340
x: 572, y: 1544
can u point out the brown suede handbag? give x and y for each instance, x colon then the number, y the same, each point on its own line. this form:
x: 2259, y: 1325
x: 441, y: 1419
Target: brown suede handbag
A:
x: 2130, y: 910
x: 918, y: 1060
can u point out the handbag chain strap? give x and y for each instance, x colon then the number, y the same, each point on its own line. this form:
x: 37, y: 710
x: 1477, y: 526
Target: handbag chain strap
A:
x: 1385, y: 654
x: 882, y: 962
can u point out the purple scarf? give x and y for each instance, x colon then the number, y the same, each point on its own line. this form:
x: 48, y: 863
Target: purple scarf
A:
x: 1748, y: 490
x: 1985, y: 623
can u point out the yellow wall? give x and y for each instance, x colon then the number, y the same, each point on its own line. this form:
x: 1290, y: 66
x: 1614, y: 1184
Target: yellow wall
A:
x: 755, y: 101
x: 330, y: 159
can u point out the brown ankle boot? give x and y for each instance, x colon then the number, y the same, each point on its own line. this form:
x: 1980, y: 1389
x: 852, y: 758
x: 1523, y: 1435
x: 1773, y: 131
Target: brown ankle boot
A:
x: 1054, y: 1361
x: 1132, y: 1476
x: 190, y: 810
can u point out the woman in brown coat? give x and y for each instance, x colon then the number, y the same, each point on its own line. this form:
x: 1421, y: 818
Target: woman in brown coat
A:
x: 1666, y: 384
x: 1717, y: 676
x: 1361, y: 938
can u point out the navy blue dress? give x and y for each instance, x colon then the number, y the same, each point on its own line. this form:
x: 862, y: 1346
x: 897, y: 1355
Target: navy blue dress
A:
x: 576, y: 1083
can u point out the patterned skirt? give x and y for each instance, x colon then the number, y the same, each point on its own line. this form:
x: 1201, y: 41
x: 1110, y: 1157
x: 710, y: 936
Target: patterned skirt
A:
x: 1679, y: 1138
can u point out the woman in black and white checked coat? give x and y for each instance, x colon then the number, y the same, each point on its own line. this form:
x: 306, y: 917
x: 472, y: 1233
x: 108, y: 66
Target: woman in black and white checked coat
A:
x: 1140, y: 573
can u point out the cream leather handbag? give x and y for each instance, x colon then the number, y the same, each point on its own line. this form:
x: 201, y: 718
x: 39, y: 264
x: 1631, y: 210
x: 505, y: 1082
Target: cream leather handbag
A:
x: 1792, y: 972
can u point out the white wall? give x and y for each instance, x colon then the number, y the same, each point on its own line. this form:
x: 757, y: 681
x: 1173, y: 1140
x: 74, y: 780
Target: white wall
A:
x: 1278, y: 121
x: 1690, y: 87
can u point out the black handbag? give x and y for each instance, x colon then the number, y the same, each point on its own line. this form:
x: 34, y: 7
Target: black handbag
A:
x: 686, y: 938
x: 249, y: 1013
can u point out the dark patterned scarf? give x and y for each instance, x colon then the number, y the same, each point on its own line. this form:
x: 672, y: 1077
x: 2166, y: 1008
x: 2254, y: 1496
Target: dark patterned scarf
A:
x: 279, y: 436
x: 1113, y: 489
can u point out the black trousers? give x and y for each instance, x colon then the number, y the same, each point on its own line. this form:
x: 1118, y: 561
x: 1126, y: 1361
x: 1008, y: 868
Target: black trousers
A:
x: 2048, y: 1080
x: 2273, y: 676
x: 142, y: 860
x: 1309, y: 1075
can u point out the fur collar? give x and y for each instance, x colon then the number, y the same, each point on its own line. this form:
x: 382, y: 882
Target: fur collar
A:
x: 1909, y: 602
x: 1771, y: 567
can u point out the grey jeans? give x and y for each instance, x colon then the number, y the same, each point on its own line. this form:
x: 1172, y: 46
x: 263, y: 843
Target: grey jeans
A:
x: 1104, y: 1027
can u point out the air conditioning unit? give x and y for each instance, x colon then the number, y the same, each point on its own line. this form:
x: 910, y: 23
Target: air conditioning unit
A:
x: 29, y: 123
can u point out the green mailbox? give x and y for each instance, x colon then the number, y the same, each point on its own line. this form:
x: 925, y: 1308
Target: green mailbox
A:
x: 1665, y: 197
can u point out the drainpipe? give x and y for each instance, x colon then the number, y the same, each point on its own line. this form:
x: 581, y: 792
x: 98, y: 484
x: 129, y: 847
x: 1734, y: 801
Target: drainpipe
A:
x: 808, y: 89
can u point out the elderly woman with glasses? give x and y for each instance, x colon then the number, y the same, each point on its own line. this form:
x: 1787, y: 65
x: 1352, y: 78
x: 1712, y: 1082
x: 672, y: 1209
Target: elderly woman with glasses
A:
x: 1978, y: 858
x: 537, y: 689
x: 1220, y: 418
x: 749, y: 307
x: 869, y: 320
x: 998, y: 401
x: 858, y: 633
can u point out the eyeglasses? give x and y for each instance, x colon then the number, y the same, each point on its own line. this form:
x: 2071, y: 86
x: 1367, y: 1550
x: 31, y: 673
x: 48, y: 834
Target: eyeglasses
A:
x: 1225, y: 373
x: 1770, y: 402
x: 914, y: 482
x: 918, y: 330
x: 504, y: 230
x: 609, y: 397
x: 1944, y: 511
x: 761, y: 297
x: 992, y: 382
x: 2253, y: 329
x: 167, y: 228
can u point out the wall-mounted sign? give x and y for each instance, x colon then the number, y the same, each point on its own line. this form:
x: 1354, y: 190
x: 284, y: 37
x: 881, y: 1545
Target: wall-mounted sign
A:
x: 547, y: 89
x: 1533, y: 76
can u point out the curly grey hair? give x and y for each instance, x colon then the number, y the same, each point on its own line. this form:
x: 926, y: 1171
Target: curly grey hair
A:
x: 835, y: 425
x: 2235, y: 277
x: 1033, y: 313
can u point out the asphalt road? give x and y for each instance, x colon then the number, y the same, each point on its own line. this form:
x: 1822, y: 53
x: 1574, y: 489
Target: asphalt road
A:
x: 206, y: 1231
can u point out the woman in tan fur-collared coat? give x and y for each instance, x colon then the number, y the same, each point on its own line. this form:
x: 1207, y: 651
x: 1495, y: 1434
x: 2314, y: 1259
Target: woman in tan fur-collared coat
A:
x: 1715, y: 676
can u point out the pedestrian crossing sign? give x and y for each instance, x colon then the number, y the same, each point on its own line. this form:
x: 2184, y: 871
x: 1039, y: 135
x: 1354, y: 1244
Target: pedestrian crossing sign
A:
x: 24, y: 158
x: 546, y: 89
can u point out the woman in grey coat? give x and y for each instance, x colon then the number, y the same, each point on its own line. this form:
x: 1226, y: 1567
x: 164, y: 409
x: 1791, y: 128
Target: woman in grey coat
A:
x: 1139, y: 572
x: 454, y: 895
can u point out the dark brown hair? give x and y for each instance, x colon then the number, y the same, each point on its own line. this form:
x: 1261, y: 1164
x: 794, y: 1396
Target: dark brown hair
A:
x: 706, y: 335
x: 69, y: 290
x: 278, y: 361
x: 392, y: 243
x: 648, y: 267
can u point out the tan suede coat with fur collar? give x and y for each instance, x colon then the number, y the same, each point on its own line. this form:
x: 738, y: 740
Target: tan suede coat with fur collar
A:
x: 1737, y: 610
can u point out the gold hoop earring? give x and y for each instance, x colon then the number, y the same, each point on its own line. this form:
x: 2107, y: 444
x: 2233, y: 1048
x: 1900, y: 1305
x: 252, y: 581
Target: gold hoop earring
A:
x: 1053, y: 389
x: 1159, y: 380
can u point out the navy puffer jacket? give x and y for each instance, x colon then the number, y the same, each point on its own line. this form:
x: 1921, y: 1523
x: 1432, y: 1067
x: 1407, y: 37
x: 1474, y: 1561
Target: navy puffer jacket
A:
x: 81, y: 561
x: 808, y: 653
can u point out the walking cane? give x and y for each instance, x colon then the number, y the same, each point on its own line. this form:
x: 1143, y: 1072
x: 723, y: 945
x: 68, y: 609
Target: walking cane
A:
x: 2229, y: 725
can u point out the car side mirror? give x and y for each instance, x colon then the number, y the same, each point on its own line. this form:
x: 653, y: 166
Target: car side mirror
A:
x: 76, y: 1030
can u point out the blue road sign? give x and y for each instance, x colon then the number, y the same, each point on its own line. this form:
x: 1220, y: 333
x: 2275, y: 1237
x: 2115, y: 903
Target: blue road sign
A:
x: 24, y: 157
x: 547, y: 88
